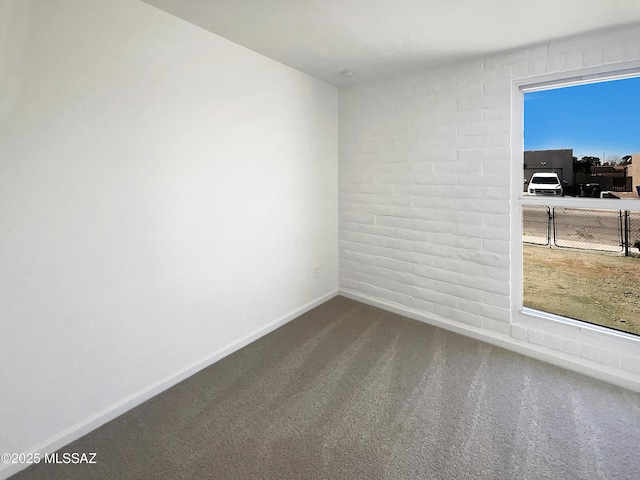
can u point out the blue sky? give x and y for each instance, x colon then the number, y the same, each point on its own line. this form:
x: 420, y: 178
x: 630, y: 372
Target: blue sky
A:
x: 590, y: 119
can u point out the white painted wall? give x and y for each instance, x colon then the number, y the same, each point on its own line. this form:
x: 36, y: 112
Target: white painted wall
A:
x: 164, y: 194
x: 427, y: 206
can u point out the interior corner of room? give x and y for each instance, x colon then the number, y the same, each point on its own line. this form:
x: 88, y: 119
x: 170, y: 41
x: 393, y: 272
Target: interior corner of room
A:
x: 170, y: 194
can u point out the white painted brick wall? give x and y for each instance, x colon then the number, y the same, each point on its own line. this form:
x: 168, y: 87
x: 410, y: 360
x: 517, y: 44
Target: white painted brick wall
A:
x: 425, y: 189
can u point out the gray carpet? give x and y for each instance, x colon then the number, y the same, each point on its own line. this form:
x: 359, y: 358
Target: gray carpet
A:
x: 350, y: 391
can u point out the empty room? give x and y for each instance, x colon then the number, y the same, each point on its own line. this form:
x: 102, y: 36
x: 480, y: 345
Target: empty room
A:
x: 319, y: 239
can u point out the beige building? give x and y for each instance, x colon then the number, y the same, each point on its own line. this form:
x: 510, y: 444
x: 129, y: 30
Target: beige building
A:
x: 634, y: 171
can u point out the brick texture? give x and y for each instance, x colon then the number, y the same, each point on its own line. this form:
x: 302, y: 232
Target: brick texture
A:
x: 424, y: 182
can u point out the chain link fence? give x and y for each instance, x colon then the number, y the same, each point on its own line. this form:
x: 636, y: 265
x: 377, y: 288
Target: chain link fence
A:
x: 602, y: 230
x: 588, y: 229
x: 535, y: 224
x: 633, y: 227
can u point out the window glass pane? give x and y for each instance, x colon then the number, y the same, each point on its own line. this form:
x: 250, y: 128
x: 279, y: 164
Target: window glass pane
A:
x: 582, y: 140
x: 583, y: 264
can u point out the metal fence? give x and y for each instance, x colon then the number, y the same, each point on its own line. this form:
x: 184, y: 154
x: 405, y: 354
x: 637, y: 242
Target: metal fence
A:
x: 535, y: 224
x: 633, y: 229
x: 603, y: 230
x: 588, y: 229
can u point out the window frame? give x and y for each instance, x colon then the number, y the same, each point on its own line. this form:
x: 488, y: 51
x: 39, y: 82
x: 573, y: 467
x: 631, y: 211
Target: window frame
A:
x: 521, y: 315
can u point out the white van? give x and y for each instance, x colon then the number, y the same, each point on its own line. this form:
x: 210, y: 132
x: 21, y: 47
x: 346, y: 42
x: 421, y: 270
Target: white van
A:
x: 545, y: 183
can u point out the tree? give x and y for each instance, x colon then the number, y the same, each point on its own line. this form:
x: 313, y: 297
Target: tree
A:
x: 613, y: 159
x: 595, y: 161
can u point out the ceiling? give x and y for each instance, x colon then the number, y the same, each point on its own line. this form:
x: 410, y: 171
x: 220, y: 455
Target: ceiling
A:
x: 378, y: 39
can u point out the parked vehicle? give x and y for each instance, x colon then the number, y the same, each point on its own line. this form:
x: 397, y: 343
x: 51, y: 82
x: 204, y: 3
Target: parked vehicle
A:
x: 590, y: 190
x: 545, y: 183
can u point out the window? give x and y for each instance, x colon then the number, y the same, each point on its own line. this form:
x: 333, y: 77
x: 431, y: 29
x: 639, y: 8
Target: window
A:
x: 578, y: 257
x: 546, y: 180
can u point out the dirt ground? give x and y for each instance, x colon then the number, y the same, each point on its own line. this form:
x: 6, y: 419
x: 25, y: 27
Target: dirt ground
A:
x: 595, y: 287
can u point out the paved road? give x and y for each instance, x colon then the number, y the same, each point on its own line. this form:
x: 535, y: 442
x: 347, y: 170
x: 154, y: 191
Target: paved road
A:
x: 579, y: 228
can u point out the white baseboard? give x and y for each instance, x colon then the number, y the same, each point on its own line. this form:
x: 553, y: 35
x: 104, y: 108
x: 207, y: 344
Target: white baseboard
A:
x: 580, y: 365
x: 115, y: 410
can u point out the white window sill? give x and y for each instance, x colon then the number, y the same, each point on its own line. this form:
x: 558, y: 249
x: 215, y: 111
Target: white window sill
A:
x: 530, y: 317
